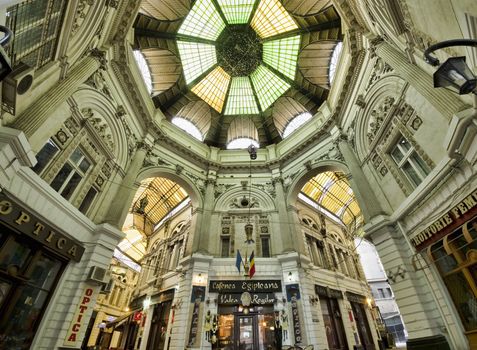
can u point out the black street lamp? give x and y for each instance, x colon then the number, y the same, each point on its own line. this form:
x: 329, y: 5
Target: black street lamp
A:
x: 5, y: 66
x: 453, y: 74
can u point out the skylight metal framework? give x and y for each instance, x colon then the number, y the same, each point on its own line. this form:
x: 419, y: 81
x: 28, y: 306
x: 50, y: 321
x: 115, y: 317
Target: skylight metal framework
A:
x: 213, y: 88
x: 282, y: 55
x: 203, y: 21
x: 241, y: 99
x: 237, y: 11
x: 268, y: 86
x: 271, y: 18
x: 196, y: 59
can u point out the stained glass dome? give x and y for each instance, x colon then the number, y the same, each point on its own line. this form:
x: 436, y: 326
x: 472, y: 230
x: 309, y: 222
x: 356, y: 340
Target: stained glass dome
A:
x: 235, y: 43
x: 239, y: 57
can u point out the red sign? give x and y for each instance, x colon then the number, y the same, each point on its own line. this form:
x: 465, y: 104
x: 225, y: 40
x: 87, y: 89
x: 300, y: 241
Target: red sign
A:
x: 79, y: 318
x: 138, y: 316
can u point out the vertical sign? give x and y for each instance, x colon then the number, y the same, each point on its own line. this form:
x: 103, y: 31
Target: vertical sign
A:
x: 293, y: 296
x: 79, y: 320
x: 198, y: 296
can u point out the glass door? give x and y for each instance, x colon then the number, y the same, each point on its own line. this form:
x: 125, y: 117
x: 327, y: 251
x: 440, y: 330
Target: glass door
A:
x: 246, y: 337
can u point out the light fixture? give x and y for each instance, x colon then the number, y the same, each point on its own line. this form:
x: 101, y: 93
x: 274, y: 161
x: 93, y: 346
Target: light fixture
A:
x: 453, y: 74
x: 146, y: 303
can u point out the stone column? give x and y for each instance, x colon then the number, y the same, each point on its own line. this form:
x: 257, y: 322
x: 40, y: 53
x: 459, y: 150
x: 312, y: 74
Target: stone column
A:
x: 41, y: 109
x: 125, y: 193
x: 367, y: 200
x: 209, y: 204
x: 446, y: 102
x: 413, y: 295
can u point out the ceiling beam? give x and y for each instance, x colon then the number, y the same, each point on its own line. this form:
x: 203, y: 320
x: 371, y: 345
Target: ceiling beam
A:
x: 311, y: 29
x: 171, y: 36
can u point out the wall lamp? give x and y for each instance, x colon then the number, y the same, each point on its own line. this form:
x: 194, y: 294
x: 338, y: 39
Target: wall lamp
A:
x: 454, y: 74
x: 5, y: 65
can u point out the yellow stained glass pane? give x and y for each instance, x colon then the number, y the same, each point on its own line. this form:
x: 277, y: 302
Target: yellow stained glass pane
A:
x: 213, y: 88
x: 271, y: 19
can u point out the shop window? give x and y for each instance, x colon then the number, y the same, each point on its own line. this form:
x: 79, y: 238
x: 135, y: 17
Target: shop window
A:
x: 71, y: 174
x: 225, y: 247
x: 454, y: 257
x: 409, y: 162
x: 46, y: 154
x: 265, y: 240
x: 36, y: 25
x: 28, y: 276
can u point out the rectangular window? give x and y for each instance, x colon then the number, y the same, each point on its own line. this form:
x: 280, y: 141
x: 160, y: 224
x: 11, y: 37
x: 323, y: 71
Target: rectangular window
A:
x: 265, y: 246
x: 46, y: 154
x: 88, y: 199
x: 410, y: 163
x: 225, y: 247
x: 71, y: 174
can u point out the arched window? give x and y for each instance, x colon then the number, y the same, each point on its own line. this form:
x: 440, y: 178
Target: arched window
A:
x: 334, y: 60
x: 296, y: 122
x: 188, y: 127
x: 242, y: 143
x: 144, y: 68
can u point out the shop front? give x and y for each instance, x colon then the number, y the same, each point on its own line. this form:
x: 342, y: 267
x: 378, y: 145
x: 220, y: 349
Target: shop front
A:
x: 358, y: 306
x: 246, y: 319
x: 450, y: 243
x: 332, y: 317
x: 33, y: 256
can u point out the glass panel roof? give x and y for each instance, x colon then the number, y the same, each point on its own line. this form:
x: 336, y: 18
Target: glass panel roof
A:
x: 237, y: 11
x: 282, y: 55
x: 144, y: 68
x: 271, y: 19
x: 295, y: 123
x: 268, y: 86
x: 331, y: 190
x: 242, y: 143
x: 241, y: 99
x: 188, y: 127
x: 213, y: 88
x: 196, y: 59
x: 203, y: 21
x: 334, y: 60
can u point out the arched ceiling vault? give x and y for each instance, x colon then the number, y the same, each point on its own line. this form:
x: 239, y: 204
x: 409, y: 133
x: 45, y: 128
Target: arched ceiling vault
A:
x: 314, y: 22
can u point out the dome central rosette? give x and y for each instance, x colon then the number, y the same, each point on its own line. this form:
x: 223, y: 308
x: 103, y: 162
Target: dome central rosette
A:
x: 239, y: 50
x: 239, y: 56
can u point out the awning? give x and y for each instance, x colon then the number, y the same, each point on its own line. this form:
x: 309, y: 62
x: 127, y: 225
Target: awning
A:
x: 119, y: 320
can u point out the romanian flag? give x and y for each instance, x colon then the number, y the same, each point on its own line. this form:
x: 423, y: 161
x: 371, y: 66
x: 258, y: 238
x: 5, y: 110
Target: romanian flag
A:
x: 251, y: 271
x: 238, y: 261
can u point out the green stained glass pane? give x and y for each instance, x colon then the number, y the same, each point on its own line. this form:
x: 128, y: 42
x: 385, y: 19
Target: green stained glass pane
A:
x: 241, y: 98
x: 282, y: 55
x: 203, y: 21
x: 196, y: 59
x: 237, y: 11
x: 268, y: 86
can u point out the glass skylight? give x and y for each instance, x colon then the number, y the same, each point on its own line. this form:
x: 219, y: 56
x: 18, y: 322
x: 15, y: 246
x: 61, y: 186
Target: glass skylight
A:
x: 268, y: 86
x: 241, y: 98
x: 282, y: 55
x: 144, y: 68
x: 334, y: 60
x: 188, y: 127
x: 196, y: 59
x: 203, y: 21
x: 237, y: 11
x: 213, y: 88
x: 271, y: 19
x: 296, y: 122
x: 242, y: 143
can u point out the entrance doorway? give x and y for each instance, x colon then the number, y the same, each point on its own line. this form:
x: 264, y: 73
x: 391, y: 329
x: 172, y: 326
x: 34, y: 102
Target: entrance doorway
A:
x: 363, y: 326
x: 239, y: 330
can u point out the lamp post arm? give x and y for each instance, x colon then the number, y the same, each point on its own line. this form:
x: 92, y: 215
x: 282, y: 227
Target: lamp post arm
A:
x: 454, y: 42
x: 7, y: 35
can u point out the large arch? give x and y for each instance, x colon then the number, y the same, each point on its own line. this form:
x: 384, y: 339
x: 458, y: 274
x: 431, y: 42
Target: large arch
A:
x: 187, y: 184
x: 305, y: 175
